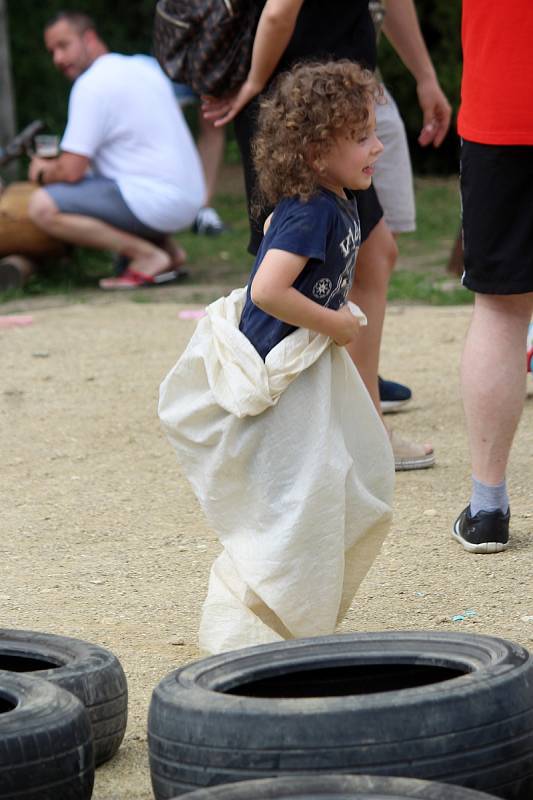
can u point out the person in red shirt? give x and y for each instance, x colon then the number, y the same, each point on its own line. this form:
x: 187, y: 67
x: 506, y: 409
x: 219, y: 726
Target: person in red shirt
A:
x: 496, y: 126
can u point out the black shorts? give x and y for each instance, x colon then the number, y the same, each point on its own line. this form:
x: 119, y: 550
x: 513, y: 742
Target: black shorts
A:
x: 497, y: 200
x: 370, y: 211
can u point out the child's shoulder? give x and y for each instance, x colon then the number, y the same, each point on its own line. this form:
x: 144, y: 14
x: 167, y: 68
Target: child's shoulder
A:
x: 319, y: 204
x: 302, y: 224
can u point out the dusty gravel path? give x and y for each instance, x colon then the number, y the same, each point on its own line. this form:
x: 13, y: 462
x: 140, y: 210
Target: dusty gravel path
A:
x: 102, y: 538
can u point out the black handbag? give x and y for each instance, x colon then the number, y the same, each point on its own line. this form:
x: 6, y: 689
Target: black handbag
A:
x: 206, y: 44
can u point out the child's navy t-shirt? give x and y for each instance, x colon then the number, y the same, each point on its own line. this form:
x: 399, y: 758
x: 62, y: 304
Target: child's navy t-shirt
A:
x: 326, y: 230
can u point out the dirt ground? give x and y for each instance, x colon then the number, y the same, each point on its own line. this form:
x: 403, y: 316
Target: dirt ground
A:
x: 102, y: 538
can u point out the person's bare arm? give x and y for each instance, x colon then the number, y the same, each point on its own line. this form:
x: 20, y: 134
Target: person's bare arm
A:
x: 274, y: 31
x: 68, y: 167
x: 402, y: 29
x: 272, y: 291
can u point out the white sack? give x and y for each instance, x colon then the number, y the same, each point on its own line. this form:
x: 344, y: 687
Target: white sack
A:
x: 293, y: 469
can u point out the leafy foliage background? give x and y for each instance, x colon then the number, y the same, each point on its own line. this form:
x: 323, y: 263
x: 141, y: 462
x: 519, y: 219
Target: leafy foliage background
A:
x: 440, y: 21
x: 126, y: 26
x: 41, y: 91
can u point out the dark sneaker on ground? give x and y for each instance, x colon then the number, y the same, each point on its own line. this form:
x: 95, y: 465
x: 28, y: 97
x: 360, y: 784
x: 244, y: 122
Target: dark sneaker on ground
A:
x: 208, y: 223
x: 486, y: 532
x: 392, y: 395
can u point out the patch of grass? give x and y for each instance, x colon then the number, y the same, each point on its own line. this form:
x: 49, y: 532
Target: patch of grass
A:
x: 438, y: 209
x: 437, y: 225
x: 80, y: 268
x: 421, y: 274
x: 410, y: 286
x: 223, y: 261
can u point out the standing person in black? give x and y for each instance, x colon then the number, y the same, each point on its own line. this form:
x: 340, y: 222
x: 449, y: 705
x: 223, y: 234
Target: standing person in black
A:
x: 296, y: 30
x: 347, y: 32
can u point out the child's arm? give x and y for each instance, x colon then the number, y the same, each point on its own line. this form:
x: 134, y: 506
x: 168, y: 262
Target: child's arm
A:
x: 272, y: 291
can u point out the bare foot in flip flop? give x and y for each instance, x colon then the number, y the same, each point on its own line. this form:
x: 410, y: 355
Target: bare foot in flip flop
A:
x: 150, y: 266
x: 176, y: 252
x: 410, y: 455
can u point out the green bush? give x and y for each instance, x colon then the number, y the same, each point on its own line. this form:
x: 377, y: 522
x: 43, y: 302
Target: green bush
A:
x: 41, y: 91
x: 126, y: 26
x: 440, y: 21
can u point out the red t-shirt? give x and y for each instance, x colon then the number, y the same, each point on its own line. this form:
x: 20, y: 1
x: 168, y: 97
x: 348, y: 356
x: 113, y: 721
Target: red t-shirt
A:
x: 497, y: 86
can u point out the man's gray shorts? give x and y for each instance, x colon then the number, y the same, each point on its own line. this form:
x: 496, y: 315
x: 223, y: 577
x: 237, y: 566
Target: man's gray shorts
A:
x: 393, y: 176
x: 99, y: 197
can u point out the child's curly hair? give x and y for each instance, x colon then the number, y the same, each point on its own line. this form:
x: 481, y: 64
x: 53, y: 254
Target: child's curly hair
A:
x: 301, y: 114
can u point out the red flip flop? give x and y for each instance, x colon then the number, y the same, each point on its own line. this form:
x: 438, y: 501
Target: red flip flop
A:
x: 133, y: 279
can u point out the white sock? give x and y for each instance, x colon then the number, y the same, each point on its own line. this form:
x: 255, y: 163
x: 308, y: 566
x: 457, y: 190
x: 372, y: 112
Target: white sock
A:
x: 488, y: 498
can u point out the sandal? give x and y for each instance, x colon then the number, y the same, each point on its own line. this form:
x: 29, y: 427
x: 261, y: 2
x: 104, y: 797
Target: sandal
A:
x: 133, y: 279
x: 409, y: 455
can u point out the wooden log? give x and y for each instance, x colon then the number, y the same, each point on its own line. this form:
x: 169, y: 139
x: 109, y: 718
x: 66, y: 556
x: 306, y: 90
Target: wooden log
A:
x: 15, y: 271
x: 18, y: 234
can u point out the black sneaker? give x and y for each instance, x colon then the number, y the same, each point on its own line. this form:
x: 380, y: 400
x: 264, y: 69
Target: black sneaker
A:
x: 486, y: 532
x: 392, y: 395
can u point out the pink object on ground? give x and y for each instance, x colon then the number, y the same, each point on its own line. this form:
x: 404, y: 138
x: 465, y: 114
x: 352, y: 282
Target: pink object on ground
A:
x: 192, y: 313
x: 14, y: 320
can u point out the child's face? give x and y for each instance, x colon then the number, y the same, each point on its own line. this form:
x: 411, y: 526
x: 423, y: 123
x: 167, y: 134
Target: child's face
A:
x: 350, y: 161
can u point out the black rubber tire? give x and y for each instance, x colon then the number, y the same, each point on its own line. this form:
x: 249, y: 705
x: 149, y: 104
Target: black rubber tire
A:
x: 46, y: 746
x: 92, y: 673
x: 341, y: 787
x: 445, y: 707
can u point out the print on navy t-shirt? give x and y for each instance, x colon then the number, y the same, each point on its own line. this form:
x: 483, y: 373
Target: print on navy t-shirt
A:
x: 326, y: 230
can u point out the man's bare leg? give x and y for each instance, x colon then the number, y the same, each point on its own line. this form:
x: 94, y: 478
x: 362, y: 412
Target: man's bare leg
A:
x: 145, y: 257
x: 210, y: 143
x: 493, y: 379
x: 177, y: 254
x: 375, y: 263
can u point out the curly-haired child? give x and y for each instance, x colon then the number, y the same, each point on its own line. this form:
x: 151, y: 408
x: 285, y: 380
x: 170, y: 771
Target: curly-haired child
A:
x: 269, y: 418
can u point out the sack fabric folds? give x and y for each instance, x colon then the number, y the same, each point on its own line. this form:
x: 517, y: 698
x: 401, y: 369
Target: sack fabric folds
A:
x: 293, y: 469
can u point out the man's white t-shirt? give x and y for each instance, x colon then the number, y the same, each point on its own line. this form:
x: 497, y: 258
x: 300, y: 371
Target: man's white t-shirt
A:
x: 124, y: 117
